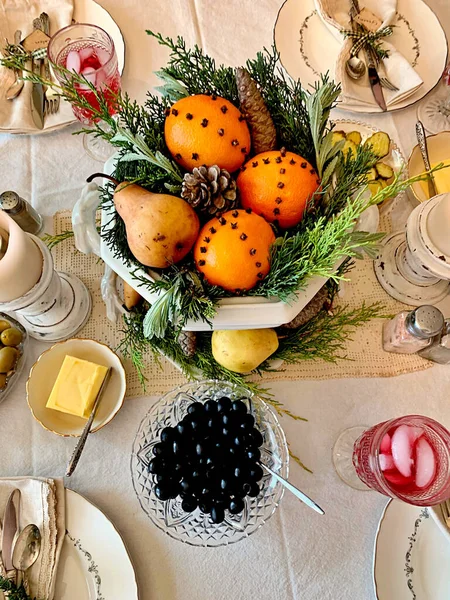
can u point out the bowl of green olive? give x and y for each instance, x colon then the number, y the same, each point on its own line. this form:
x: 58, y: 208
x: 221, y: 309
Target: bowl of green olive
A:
x: 13, y: 341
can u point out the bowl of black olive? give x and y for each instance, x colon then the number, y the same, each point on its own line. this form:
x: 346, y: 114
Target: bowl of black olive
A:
x: 197, y: 462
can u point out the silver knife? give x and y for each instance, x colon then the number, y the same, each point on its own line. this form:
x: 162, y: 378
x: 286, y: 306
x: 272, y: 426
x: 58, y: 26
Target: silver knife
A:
x: 87, y: 428
x: 37, y: 96
x: 8, y: 534
x: 374, y: 81
x: 422, y: 139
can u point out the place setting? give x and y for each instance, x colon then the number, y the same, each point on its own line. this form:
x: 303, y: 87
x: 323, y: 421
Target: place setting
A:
x: 379, y: 51
x: 236, y: 234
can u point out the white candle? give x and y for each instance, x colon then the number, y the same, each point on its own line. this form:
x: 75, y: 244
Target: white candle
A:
x: 21, y: 266
x: 438, y: 224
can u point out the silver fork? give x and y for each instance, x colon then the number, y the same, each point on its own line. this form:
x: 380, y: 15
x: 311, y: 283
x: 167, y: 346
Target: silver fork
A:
x: 445, y: 508
x: 51, y: 98
x: 383, y: 80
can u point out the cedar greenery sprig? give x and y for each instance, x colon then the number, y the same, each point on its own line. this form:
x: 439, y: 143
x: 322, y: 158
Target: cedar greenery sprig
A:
x: 14, y: 592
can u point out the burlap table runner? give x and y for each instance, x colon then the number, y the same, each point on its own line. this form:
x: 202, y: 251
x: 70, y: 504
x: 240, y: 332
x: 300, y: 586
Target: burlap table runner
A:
x: 365, y: 356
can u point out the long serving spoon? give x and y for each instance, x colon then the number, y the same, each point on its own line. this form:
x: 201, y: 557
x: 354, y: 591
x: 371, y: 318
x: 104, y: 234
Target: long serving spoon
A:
x: 15, y: 88
x: 26, y: 551
x: 422, y: 139
x: 300, y: 495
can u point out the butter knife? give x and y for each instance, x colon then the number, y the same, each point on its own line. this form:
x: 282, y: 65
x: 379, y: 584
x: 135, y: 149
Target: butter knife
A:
x: 422, y: 139
x: 8, y: 534
x: 82, y: 441
x: 37, y: 97
x: 374, y: 79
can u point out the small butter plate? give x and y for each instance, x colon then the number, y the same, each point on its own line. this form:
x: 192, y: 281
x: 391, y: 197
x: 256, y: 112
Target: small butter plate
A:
x: 43, y: 375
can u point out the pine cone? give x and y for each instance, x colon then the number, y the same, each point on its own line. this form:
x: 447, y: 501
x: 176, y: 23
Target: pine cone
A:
x: 311, y: 310
x: 262, y: 128
x: 209, y: 189
x: 188, y: 342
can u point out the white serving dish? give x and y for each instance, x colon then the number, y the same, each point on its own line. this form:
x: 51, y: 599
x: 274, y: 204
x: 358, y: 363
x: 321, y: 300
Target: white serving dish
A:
x: 251, y: 312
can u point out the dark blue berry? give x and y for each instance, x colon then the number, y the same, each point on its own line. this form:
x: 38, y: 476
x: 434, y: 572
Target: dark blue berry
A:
x: 189, y: 504
x: 168, y: 434
x: 217, y: 514
x: 211, y: 406
x: 236, y: 506
x: 239, y: 407
x: 196, y: 408
x: 224, y: 404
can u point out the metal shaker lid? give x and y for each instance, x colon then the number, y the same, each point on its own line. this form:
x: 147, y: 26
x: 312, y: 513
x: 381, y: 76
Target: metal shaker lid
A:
x: 425, y: 322
x: 9, y: 201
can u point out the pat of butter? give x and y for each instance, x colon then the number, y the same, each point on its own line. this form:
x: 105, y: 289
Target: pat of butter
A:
x: 441, y: 178
x: 76, y: 387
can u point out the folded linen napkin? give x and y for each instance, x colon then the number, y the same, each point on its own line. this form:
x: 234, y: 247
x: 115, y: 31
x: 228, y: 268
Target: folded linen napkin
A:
x: 335, y: 15
x: 15, y: 115
x: 41, y: 503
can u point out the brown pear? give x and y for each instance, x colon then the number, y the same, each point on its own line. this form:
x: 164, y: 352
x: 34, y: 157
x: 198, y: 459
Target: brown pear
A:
x: 161, y: 228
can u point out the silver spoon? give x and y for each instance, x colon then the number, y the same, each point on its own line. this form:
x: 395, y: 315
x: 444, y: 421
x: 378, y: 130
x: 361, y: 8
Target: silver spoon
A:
x: 15, y: 88
x: 354, y: 66
x: 300, y: 495
x: 26, y: 550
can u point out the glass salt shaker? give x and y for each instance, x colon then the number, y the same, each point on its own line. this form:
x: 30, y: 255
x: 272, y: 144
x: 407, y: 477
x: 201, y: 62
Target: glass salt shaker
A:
x: 409, y: 332
x: 21, y: 211
x: 439, y: 350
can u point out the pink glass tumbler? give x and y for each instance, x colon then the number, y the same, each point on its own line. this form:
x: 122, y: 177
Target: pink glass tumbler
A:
x: 407, y: 458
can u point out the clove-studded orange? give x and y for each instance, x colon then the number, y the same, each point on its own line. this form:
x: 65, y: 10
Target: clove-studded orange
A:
x: 233, y: 251
x: 278, y: 185
x: 206, y: 130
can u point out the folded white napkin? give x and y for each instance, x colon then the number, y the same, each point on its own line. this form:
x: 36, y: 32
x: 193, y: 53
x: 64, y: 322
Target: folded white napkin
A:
x: 41, y: 503
x: 396, y: 68
x: 15, y: 115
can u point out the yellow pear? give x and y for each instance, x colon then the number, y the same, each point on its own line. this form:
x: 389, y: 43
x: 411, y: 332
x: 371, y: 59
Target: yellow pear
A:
x: 161, y: 228
x: 243, y: 350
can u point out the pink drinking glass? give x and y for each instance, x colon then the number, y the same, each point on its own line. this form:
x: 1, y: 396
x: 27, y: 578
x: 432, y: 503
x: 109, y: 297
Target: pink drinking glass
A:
x: 97, y: 61
x: 357, y: 452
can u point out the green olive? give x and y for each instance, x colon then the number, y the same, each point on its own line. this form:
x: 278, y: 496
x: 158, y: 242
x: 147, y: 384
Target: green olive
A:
x: 11, y: 337
x: 8, y: 358
x: 2, y: 380
x: 4, y: 325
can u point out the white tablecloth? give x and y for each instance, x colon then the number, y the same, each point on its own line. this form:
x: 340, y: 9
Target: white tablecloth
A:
x: 298, y: 554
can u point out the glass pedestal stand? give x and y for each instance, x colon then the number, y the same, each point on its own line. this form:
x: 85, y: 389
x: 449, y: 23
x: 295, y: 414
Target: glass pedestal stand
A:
x: 343, y: 457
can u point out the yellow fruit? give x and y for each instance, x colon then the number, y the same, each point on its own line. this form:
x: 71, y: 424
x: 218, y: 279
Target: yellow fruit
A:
x: 161, y: 229
x: 244, y: 350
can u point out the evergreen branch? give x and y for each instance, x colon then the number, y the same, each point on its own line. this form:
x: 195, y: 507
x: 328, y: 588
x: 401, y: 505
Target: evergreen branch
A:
x: 55, y: 239
x: 195, y: 71
x: 324, y: 337
x: 14, y: 592
x: 141, y: 152
x: 297, y: 460
x: 171, y: 88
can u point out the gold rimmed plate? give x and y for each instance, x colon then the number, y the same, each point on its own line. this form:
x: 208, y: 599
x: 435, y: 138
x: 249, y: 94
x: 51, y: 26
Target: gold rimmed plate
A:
x: 43, y: 375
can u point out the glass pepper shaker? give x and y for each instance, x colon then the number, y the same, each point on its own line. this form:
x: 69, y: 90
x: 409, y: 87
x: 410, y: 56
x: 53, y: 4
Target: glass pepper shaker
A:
x: 439, y: 349
x: 21, y: 212
x: 411, y: 331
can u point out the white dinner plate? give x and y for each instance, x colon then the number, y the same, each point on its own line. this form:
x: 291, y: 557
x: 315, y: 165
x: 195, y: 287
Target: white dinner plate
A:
x: 411, y: 556
x: 307, y: 48
x: 94, y: 563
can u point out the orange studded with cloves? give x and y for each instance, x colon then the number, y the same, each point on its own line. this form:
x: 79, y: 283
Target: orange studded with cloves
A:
x: 278, y: 185
x: 233, y: 250
x: 206, y: 130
